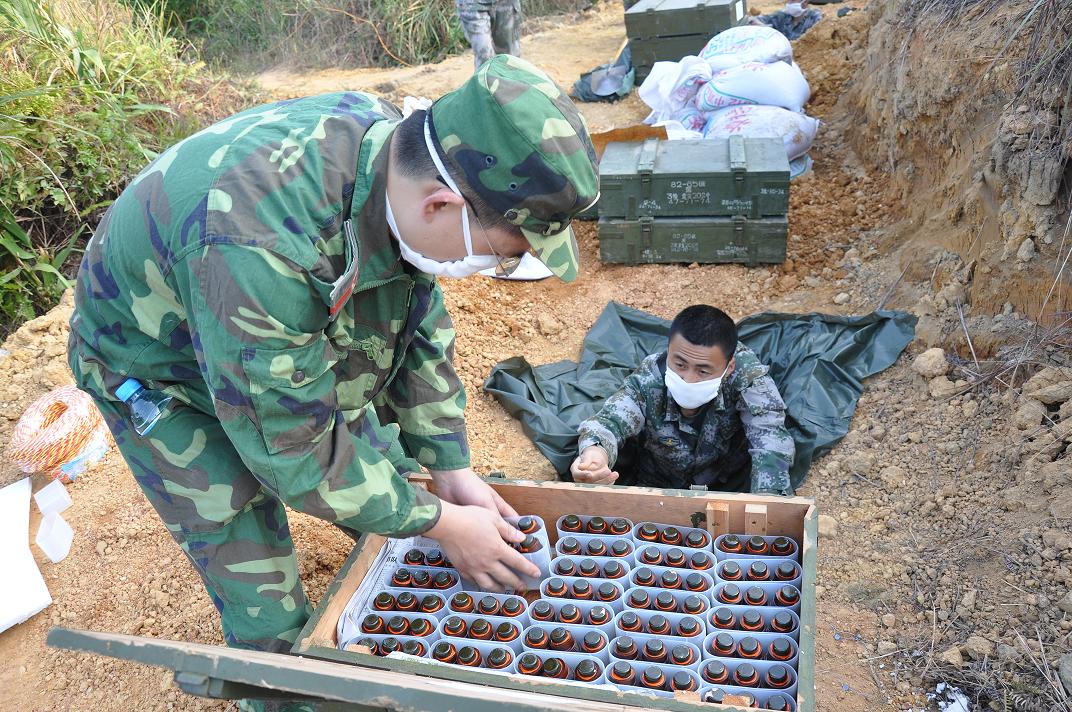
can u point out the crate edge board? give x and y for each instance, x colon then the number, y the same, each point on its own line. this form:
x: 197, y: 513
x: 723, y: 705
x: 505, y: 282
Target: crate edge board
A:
x: 224, y: 671
x: 806, y: 646
x: 334, y: 594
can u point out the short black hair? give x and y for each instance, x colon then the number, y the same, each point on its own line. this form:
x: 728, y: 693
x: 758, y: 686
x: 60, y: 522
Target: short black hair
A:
x: 705, y: 325
x: 413, y: 161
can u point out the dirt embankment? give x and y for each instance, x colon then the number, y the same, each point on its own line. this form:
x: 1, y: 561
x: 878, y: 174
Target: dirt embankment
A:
x: 979, y: 156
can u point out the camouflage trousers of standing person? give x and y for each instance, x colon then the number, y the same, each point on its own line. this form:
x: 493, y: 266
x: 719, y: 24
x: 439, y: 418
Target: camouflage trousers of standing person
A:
x: 232, y: 528
x: 491, y: 27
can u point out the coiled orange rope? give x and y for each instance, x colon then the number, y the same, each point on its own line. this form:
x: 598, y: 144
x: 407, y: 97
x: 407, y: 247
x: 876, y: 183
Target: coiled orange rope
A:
x: 55, y: 429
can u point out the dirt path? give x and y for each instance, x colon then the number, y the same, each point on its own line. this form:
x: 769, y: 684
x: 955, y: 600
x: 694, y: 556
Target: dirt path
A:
x: 564, y: 53
x: 877, y: 573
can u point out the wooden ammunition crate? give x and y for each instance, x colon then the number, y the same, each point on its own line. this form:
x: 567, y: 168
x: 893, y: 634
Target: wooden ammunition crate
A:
x: 751, y: 514
x: 337, y: 680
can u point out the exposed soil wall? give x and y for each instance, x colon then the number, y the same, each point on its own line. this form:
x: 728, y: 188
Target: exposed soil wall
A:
x: 979, y: 167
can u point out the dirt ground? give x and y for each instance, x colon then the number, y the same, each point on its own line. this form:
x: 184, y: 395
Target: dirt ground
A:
x: 939, y: 547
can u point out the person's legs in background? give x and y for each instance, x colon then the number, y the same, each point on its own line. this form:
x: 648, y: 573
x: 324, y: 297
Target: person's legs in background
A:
x: 506, y: 27
x: 477, y: 25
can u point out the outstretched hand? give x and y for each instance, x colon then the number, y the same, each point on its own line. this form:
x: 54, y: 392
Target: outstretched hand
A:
x: 591, y: 467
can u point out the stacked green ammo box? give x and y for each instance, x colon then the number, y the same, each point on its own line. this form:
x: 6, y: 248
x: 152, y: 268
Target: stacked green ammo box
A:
x: 667, y: 30
x: 706, y: 200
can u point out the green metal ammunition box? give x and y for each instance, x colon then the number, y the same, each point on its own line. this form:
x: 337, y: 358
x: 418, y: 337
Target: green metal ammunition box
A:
x: 703, y: 240
x: 667, y: 30
x: 669, y: 18
x: 706, y: 177
x: 647, y: 52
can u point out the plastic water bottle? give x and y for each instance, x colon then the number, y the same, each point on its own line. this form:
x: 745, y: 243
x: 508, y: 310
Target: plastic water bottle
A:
x: 146, y: 406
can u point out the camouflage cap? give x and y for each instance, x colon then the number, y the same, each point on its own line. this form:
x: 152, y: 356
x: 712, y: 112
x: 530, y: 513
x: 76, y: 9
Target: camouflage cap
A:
x: 520, y: 143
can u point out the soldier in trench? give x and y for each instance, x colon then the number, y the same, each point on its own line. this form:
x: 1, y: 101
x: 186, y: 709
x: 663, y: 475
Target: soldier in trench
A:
x: 702, y: 412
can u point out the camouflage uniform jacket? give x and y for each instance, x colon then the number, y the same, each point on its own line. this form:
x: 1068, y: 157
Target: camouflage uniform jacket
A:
x: 249, y: 271
x: 674, y: 451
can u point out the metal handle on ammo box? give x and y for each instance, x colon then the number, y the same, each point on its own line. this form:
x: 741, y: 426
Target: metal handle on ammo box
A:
x: 745, y: 240
x: 646, y: 165
x: 647, y: 223
x: 738, y: 163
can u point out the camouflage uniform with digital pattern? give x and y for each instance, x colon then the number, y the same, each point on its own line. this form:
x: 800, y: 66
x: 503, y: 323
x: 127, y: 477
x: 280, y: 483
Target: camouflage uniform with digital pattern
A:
x: 249, y: 272
x: 491, y: 27
x: 746, y: 421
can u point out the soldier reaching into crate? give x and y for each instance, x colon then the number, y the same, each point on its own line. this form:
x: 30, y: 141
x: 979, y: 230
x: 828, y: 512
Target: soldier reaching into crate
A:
x: 703, y: 412
x: 276, y: 275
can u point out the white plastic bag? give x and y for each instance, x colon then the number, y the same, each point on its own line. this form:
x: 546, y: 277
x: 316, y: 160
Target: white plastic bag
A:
x: 797, y: 131
x: 746, y: 43
x: 778, y: 84
x: 671, y: 86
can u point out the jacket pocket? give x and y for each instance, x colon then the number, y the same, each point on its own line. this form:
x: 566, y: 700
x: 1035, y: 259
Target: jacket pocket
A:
x: 293, y: 393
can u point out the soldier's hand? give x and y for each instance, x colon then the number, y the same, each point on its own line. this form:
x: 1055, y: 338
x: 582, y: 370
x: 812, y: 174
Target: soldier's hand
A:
x: 592, y: 467
x: 466, y: 487
x: 473, y: 539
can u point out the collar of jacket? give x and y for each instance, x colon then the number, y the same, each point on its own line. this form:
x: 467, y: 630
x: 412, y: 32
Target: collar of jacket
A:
x: 673, y: 411
x: 376, y: 252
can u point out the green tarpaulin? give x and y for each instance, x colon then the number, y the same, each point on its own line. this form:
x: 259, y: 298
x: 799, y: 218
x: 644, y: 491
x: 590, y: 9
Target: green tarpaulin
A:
x: 819, y: 362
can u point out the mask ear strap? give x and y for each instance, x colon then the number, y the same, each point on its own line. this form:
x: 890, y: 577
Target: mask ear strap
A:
x: 465, y: 231
x: 435, y: 157
x: 430, y: 145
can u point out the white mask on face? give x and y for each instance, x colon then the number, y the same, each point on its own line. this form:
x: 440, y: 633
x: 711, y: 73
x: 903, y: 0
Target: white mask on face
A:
x: 692, y: 395
x: 468, y: 265
x: 794, y: 9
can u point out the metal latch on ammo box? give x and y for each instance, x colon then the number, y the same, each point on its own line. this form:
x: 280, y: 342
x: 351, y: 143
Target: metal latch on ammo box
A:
x: 646, y: 165
x: 738, y: 163
x: 647, y: 224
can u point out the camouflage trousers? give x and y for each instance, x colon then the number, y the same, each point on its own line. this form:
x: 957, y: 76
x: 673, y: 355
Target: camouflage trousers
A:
x: 229, y: 524
x: 491, y: 27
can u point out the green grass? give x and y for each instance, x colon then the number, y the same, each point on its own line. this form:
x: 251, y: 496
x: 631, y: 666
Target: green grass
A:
x: 251, y: 35
x: 90, y: 91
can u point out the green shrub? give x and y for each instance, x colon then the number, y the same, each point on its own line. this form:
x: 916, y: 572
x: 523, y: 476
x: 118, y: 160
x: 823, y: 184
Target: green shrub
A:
x: 89, y: 93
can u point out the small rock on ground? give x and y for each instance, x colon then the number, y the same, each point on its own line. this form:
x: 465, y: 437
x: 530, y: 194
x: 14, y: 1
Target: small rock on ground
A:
x: 979, y: 647
x: 953, y: 656
x: 931, y: 363
x: 1029, y: 414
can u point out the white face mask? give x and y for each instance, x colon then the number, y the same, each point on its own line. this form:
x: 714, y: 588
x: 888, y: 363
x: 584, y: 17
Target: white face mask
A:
x: 692, y: 395
x: 468, y: 265
x: 794, y: 9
